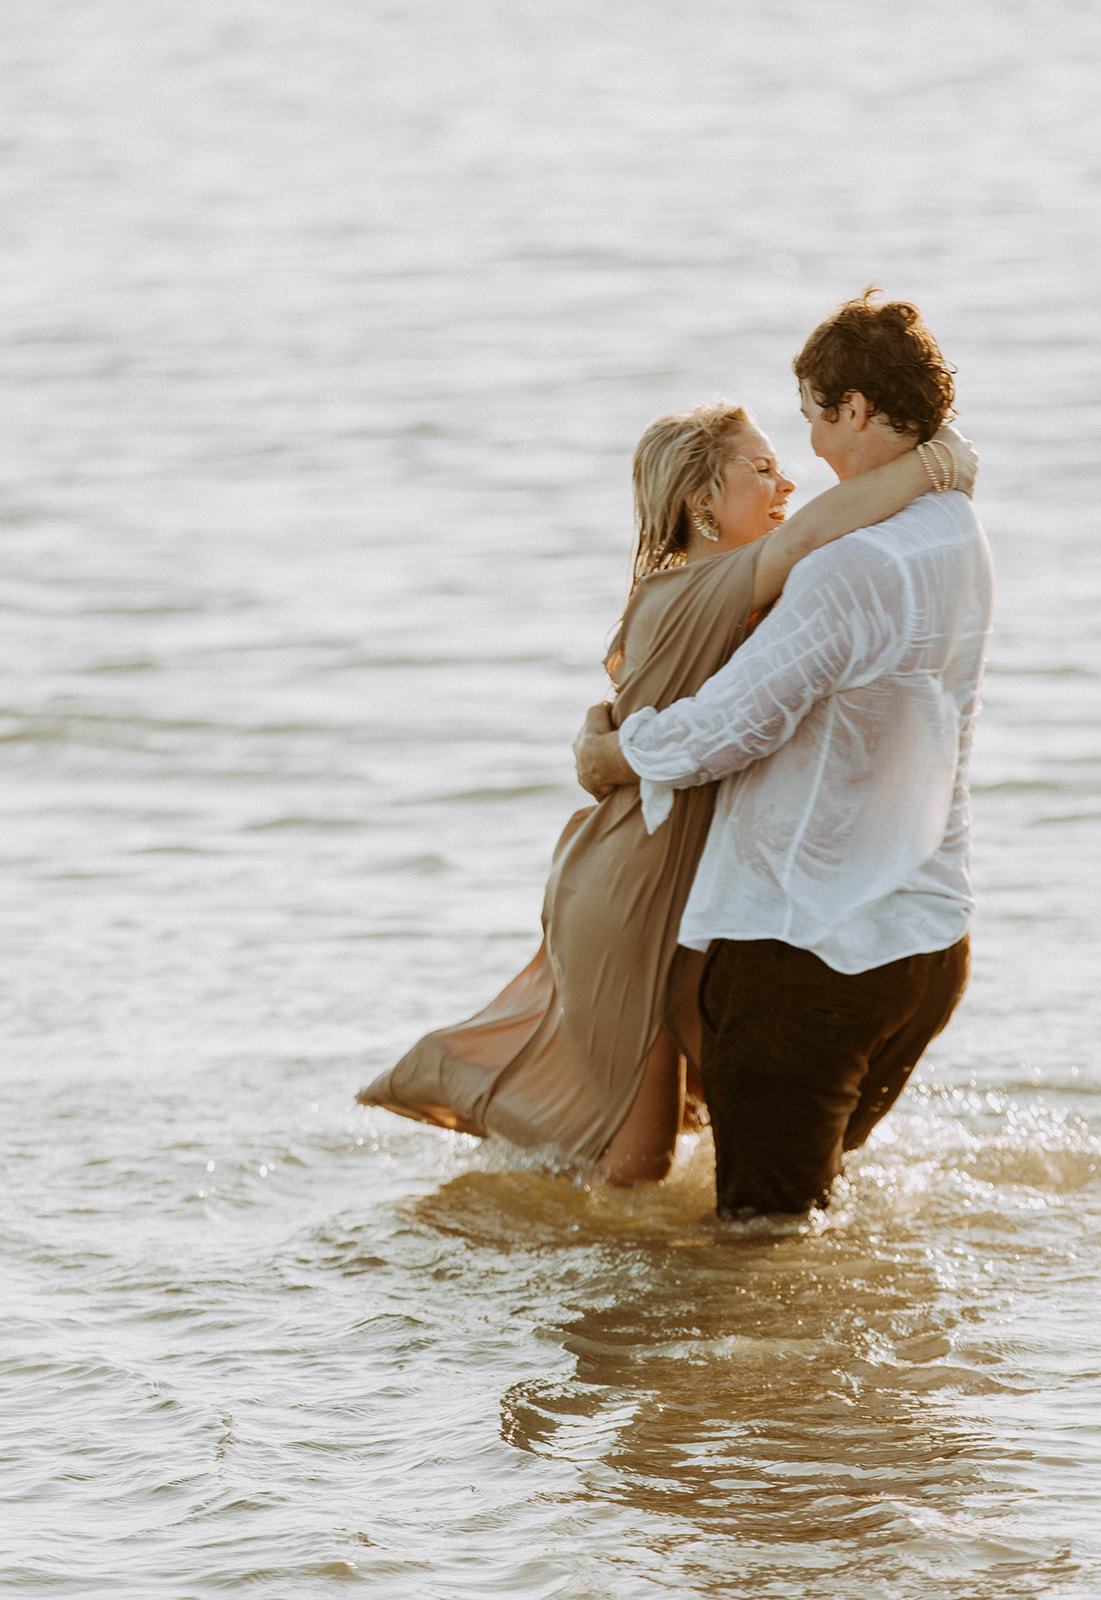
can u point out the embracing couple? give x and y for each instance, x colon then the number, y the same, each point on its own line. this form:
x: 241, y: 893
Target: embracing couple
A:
x: 771, y: 894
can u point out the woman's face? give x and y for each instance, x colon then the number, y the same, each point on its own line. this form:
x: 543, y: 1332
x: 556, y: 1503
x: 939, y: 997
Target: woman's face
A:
x: 755, y: 492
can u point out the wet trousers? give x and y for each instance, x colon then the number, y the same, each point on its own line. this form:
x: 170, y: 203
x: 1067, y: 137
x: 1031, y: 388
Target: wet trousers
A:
x: 800, y: 1062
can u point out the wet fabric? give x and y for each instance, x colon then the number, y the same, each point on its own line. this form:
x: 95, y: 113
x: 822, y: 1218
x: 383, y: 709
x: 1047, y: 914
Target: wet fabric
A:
x: 556, y: 1059
x: 800, y: 1062
x: 861, y: 689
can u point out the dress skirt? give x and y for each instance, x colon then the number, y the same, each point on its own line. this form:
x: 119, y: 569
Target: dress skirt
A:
x: 555, y: 1060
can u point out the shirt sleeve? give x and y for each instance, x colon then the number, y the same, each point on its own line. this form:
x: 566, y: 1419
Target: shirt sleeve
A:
x: 843, y: 619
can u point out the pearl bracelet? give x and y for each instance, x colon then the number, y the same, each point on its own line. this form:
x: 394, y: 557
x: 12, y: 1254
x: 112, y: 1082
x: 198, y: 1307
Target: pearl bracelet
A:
x: 943, y: 473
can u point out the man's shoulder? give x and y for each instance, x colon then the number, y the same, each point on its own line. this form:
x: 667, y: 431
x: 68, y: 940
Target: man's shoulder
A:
x: 932, y: 519
x: 931, y: 524
x: 936, y: 540
x: 939, y: 536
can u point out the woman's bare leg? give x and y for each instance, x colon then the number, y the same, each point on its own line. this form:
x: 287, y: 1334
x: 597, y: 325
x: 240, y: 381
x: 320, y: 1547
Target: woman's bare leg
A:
x: 682, y: 1018
x: 682, y: 1009
x: 642, y: 1150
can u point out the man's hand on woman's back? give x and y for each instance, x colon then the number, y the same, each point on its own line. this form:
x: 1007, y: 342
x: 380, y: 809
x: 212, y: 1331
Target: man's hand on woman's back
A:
x: 601, y: 764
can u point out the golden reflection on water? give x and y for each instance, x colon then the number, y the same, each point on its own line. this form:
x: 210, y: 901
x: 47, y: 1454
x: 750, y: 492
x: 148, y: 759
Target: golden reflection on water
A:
x: 730, y: 1373
x: 848, y: 1388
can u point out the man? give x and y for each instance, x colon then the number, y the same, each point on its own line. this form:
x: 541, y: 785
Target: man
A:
x: 833, y: 893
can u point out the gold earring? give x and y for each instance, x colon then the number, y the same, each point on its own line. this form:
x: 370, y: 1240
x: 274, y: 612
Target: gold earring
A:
x: 706, y: 529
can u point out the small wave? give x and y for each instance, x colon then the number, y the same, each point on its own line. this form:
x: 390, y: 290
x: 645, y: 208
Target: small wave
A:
x: 1063, y: 817
x: 314, y: 824
x: 516, y: 791
x: 1052, y: 1170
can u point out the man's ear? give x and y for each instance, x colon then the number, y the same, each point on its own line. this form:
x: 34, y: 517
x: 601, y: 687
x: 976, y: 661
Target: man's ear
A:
x: 862, y: 412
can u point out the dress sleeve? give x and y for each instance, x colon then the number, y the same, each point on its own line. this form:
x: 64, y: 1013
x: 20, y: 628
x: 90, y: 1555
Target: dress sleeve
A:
x: 843, y: 620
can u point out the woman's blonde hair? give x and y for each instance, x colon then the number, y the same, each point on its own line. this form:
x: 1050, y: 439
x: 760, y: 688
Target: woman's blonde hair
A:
x: 678, y: 456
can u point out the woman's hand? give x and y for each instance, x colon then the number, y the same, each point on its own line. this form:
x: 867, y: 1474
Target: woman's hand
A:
x: 964, y: 455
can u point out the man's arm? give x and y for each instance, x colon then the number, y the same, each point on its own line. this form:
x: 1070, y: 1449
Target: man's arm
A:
x: 843, y: 618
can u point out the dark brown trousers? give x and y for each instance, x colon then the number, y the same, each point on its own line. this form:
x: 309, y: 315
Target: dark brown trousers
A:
x: 800, y: 1062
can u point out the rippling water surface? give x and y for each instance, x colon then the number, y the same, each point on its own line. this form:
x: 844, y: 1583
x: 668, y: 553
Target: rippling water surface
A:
x: 326, y: 332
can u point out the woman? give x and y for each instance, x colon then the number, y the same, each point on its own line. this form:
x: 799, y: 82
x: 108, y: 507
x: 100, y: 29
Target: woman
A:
x: 583, y: 1053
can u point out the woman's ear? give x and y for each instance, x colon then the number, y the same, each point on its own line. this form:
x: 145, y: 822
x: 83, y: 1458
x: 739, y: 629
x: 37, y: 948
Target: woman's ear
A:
x: 701, y: 515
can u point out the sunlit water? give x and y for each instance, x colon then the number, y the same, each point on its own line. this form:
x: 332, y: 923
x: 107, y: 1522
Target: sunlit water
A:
x: 327, y: 331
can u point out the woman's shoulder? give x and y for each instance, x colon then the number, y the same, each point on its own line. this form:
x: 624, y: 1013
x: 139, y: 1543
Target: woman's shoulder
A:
x: 728, y: 566
x: 681, y: 598
x: 726, y: 578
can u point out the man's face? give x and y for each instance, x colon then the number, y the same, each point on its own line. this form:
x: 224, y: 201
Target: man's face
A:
x: 827, y: 439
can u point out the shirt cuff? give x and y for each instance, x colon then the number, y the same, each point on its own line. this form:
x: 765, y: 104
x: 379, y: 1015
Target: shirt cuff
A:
x: 657, y: 798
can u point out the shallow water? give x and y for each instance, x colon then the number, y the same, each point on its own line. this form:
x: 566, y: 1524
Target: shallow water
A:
x: 326, y: 335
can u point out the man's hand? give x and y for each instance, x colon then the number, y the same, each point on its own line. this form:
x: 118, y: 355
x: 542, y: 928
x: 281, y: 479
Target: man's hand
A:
x: 601, y: 765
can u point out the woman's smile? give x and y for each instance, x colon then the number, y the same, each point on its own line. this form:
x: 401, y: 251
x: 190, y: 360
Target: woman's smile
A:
x: 755, y: 492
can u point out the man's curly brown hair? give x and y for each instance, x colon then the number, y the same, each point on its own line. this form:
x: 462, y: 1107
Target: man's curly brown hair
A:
x: 887, y: 354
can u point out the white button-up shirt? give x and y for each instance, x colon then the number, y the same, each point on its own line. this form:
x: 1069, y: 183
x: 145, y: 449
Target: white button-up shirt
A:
x: 841, y: 730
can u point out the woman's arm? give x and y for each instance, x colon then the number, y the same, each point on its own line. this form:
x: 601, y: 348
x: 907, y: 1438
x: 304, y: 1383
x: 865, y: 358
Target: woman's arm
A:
x: 857, y: 503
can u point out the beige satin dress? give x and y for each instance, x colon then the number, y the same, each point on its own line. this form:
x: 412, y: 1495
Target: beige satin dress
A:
x: 556, y: 1059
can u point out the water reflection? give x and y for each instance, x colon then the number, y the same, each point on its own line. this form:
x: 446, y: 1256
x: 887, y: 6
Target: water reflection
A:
x: 793, y: 1394
x: 731, y: 1427
x: 796, y: 1375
